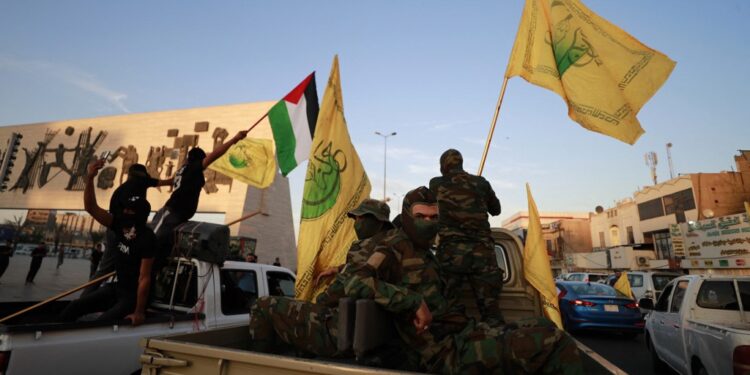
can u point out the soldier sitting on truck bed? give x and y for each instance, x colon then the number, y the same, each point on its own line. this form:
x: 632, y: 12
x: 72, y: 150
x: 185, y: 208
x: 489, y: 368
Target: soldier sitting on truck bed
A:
x: 402, y: 276
x: 278, y: 323
x: 371, y: 224
x: 133, y: 258
x: 466, y: 250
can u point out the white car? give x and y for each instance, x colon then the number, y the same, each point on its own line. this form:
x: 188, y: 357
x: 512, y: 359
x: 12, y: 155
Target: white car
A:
x: 586, y: 277
x: 699, y: 325
x: 647, y: 284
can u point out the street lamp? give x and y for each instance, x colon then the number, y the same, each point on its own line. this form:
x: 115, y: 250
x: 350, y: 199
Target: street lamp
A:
x: 385, y: 151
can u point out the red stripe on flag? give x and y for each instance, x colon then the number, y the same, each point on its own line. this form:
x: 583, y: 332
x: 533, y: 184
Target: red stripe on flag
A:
x: 295, y: 95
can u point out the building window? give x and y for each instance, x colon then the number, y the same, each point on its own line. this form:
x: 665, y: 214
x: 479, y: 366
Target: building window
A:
x: 651, y: 209
x: 631, y: 237
x: 614, y: 236
x: 663, y: 245
x: 601, y: 239
x: 679, y: 202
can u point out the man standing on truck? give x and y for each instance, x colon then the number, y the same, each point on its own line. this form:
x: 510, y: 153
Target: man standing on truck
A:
x: 186, y: 189
x: 280, y: 322
x: 133, y: 258
x: 136, y: 185
x: 402, y: 276
x: 466, y: 251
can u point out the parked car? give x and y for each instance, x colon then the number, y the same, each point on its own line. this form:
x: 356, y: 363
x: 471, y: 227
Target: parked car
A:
x: 596, y: 306
x: 699, y: 325
x: 586, y: 277
x: 647, y: 284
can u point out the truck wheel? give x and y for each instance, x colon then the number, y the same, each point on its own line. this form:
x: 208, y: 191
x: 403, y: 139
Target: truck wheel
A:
x: 658, y: 365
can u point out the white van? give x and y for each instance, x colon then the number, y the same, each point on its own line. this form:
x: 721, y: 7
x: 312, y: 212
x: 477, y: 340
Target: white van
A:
x: 647, y: 284
x: 586, y: 277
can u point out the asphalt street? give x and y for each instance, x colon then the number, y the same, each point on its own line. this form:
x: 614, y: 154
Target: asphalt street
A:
x: 49, y: 281
x: 631, y: 355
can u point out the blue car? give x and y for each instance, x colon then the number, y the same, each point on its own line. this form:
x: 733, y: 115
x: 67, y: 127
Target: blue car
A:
x: 596, y: 306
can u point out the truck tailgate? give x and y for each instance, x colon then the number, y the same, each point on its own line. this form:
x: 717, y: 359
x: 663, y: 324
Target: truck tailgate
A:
x: 224, y: 351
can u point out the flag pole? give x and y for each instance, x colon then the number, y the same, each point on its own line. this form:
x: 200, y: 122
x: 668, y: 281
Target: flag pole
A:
x: 259, y: 120
x: 492, y: 127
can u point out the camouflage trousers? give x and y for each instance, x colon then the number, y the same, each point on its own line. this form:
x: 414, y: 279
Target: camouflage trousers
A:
x: 530, y: 346
x: 278, y: 324
x: 474, y: 263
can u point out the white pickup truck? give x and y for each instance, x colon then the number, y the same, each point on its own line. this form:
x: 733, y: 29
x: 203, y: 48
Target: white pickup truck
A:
x: 700, y: 325
x: 203, y: 296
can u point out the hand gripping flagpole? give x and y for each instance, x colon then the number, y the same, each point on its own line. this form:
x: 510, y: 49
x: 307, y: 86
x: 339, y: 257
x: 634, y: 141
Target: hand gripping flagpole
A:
x: 492, y: 127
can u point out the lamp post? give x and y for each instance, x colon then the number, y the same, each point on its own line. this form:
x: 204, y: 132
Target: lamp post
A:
x: 385, y: 152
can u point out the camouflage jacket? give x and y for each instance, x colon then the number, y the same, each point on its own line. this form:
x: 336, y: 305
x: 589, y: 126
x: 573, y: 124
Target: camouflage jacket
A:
x: 398, y: 277
x: 358, y: 254
x: 464, y: 201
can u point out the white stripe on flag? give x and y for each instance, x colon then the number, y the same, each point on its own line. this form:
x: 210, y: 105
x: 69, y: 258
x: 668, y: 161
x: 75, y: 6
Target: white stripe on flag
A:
x: 301, y: 129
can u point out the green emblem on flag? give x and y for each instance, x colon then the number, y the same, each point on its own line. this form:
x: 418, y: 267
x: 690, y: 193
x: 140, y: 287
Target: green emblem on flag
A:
x: 570, y: 48
x: 323, y: 181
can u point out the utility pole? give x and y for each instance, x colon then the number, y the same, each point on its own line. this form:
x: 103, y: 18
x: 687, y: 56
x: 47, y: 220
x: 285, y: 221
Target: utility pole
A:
x: 669, y: 159
x: 651, y: 162
x: 385, y: 155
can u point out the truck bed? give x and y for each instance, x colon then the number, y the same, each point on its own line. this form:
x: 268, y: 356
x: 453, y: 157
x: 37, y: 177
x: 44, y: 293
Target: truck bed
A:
x: 225, y: 351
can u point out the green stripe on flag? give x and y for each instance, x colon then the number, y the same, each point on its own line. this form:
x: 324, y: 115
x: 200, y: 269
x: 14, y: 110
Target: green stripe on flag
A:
x: 283, y: 134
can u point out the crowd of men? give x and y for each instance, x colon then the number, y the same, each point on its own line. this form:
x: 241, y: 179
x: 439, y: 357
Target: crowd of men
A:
x: 394, y: 265
x: 398, y: 264
x: 136, y: 250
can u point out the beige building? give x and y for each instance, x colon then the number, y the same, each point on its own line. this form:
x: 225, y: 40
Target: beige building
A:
x: 564, y: 234
x: 616, y: 226
x: 49, y: 171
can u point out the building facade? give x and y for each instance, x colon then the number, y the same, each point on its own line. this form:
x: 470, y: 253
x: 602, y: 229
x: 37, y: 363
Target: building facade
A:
x: 616, y: 226
x: 51, y: 158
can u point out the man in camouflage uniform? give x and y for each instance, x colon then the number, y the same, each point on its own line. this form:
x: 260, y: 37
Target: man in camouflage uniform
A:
x: 402, y: 276
x: 280, y: 323
x: 466, y: 250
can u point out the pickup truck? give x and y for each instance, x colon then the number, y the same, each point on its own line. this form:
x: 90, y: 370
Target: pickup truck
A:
x: 699, y: 325
x: 225, y: 351
x: 202, y: 296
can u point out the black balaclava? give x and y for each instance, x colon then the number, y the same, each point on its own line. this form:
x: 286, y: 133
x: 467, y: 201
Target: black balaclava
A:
x: 367, y: 226
x: 451, y: 161
x: 196, y: 155
x: 135, y: 186
x: 421, y: 232
x: 134, y: 215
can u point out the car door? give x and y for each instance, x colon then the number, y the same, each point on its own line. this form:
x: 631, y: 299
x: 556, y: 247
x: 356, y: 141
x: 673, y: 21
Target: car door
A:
x: 656, y: 321
x: 674, y: 340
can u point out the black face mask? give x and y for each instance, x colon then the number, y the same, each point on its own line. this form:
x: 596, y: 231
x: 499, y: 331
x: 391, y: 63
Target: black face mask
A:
x: 367, y: 227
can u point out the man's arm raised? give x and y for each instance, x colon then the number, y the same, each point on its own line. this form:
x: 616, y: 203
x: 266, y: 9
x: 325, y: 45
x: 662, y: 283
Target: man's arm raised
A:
x: 219, y: 151
x: 89, y: 196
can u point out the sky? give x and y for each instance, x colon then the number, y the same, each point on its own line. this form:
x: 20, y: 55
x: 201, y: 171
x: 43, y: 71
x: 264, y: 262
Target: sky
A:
x: 429, y: 70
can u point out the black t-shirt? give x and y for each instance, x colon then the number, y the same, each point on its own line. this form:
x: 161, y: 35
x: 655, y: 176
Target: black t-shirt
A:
x: 188, y: 182
x: 128, y: 250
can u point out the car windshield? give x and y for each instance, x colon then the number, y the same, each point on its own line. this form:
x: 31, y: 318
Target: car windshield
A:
x: 596, y: 290
x: 660, y: 281
x: 596, y: 278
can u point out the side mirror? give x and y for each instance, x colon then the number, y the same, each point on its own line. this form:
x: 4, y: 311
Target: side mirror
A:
x: 646, y: 303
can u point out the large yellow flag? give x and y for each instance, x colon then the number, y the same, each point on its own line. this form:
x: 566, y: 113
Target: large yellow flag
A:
x: 335, y: 183
x: 250, y: 160
x: 622, y: 285
x: 536, y: 265
x: 604, y: 74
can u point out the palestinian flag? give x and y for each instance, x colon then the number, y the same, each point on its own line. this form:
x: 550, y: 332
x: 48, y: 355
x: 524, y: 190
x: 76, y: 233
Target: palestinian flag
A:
x: 293, y: 124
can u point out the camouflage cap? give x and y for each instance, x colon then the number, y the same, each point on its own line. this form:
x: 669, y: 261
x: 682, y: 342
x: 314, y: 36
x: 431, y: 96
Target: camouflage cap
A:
x: 374, y: 207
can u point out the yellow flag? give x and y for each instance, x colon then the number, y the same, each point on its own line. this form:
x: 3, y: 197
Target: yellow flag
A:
x: 603, y: 74
x: 251, y: 160
x: 536, y: 265
x: 622, y: 285
x: 335, y: 183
